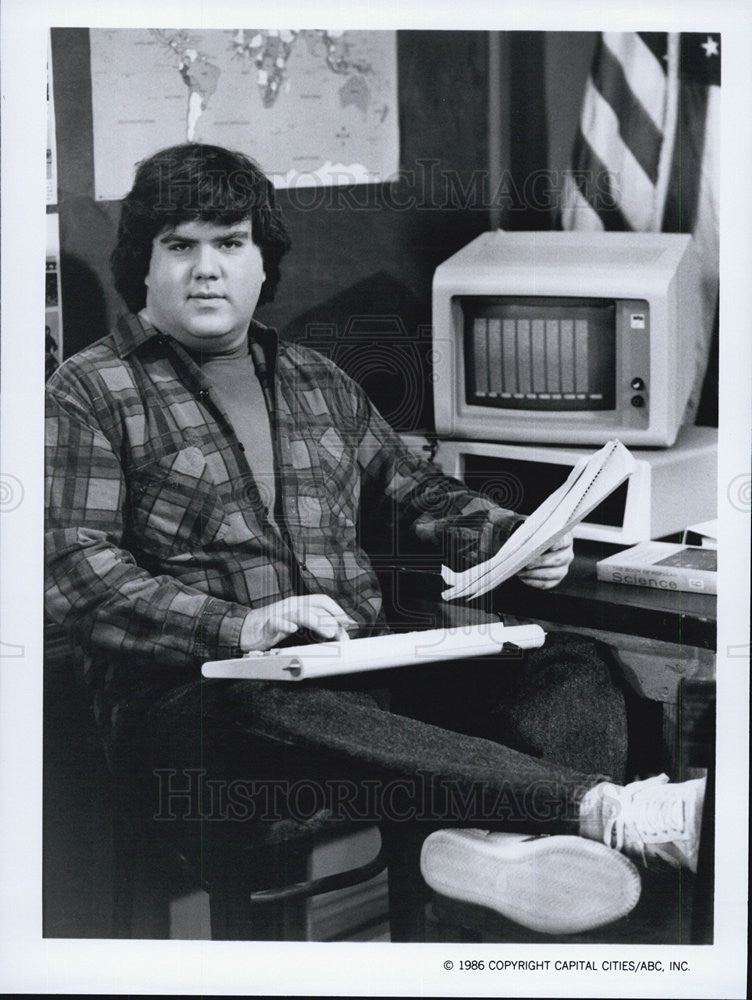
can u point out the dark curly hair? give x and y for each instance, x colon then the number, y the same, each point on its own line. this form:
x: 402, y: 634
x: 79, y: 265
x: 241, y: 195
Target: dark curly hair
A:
x: 195, y: 182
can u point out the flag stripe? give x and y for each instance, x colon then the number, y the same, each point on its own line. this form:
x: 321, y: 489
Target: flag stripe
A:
x: 684, y: 185
x: 707, y: 221
x: 631, y: 188
x: 656, y: 42
x: 577, y: 212
x: 592, y: 178
x: 644, y: 71
x: 706, y: 235
x: 636, y: 127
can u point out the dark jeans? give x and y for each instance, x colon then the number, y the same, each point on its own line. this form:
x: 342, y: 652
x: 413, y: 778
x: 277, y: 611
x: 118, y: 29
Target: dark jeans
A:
x: 503, y: 742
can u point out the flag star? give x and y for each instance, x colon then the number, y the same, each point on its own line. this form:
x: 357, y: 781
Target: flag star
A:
x: 710, y: 46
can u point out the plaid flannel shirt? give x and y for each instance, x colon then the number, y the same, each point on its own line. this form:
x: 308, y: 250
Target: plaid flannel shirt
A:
x: 158, y: 540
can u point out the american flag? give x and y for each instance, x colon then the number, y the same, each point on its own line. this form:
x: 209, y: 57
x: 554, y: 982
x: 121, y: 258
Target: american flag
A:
x: 646, y: 154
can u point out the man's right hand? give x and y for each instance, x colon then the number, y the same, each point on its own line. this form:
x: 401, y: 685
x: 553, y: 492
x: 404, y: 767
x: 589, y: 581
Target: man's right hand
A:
x: 265, y: 627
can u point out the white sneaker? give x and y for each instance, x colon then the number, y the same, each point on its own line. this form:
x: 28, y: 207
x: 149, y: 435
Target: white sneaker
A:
x: 654, y: 819
x: 557, y: 885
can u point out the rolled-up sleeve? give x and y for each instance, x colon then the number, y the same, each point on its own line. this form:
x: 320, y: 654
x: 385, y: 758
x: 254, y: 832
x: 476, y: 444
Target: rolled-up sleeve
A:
x: 439, y: 511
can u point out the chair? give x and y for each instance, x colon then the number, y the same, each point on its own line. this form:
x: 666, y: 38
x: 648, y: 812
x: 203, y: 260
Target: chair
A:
x: 101, y: 842
x: 257, y: 885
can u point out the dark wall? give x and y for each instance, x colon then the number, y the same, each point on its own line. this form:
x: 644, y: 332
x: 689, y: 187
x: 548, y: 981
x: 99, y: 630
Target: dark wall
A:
x: 357, y: 283
x: 568, y: 58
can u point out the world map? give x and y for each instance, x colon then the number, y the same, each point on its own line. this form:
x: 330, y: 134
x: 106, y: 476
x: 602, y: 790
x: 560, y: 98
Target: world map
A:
x: 312, y: 106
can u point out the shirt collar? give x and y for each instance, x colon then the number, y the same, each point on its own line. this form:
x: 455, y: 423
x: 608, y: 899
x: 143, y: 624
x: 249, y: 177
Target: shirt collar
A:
x: 131, y: 331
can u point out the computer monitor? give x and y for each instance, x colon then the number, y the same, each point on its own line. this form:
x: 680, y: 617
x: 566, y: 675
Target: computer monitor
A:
x: 566, y: 338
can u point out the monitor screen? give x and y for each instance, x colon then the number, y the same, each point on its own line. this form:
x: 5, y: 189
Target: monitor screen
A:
x: 543, y: 353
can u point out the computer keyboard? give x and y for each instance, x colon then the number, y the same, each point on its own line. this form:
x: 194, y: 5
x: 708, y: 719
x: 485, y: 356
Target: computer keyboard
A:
x: 326, y: 659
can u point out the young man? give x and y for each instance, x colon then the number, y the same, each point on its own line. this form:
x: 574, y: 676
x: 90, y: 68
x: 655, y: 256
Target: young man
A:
x: 206, y: 488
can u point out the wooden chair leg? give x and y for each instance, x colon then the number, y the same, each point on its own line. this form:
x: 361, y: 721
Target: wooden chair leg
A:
x: 122, y: 917
x: 702, y: 910
x: 234, y: 918
x: 697, y: 707
x: 126, y: 841
x: 407, y: 891
x: 140, y: 899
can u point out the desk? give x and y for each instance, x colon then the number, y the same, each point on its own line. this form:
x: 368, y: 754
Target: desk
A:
x: 583, y: 601
x: 657, y: 637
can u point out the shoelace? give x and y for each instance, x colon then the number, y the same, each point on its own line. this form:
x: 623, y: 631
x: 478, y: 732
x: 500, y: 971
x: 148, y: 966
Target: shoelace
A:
x: 645, y: 816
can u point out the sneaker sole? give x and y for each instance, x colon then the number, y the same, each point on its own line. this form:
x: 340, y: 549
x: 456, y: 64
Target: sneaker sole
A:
x: 556, y: 885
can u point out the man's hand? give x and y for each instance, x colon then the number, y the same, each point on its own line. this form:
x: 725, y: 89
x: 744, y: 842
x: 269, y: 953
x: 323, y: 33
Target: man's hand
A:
x: 550, y: 567
x: 265, y: 627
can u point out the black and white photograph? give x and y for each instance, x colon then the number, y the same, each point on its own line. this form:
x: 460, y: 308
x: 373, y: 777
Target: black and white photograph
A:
x: 376, y: 515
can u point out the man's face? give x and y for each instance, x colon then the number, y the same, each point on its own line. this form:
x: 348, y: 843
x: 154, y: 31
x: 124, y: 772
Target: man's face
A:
x: 203, y: 283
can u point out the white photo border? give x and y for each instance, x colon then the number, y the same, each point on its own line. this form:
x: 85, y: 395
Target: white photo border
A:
x: 30, y: 963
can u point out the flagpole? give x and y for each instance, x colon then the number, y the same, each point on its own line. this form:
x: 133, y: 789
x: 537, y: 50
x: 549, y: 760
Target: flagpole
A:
x: 670, y: 116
